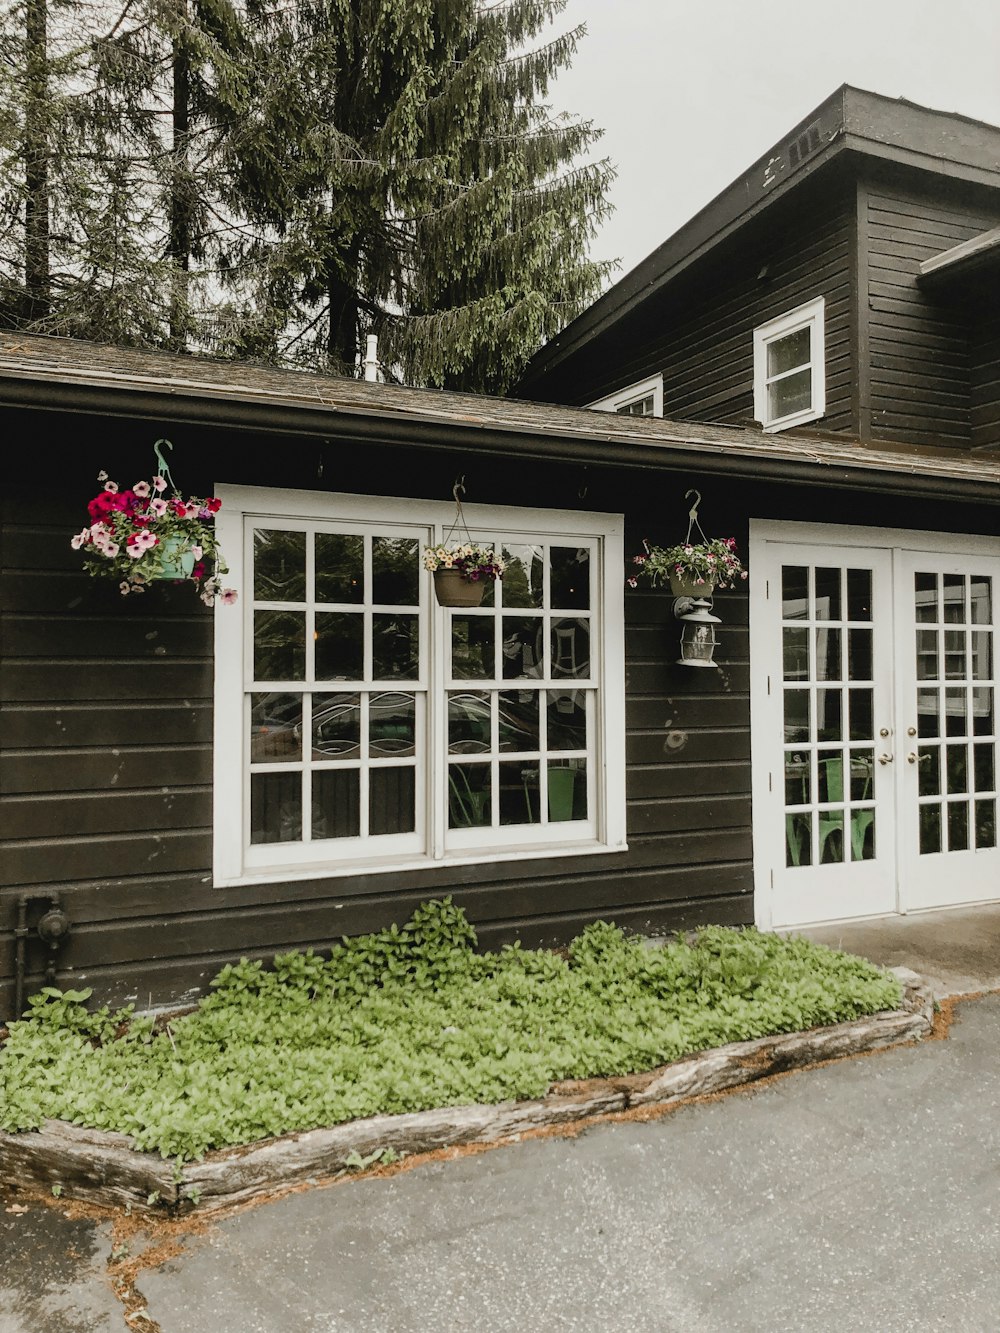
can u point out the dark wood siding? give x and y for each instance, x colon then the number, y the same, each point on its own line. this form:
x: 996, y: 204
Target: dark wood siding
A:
x: 924, y: 357
x: 106, y: 730
x: 985, y: 374
x: 699, y: 332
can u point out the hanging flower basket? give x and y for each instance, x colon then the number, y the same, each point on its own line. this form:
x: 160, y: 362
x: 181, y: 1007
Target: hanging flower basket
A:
x: 462, y: 569
x: 692, y: 568
x: 141, y: 536
x: 687, y: 585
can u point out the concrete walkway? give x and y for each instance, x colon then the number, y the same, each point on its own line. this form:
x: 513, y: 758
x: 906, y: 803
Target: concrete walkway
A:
x: 957, y: 951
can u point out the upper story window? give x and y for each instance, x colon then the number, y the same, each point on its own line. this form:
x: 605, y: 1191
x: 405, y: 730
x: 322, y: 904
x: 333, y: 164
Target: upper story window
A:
x: 789, y: 374
x: 360, y: 726
x: 644, y: 399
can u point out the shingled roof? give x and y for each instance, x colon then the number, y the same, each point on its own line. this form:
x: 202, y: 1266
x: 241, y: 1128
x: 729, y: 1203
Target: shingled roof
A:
x: 64, y: 374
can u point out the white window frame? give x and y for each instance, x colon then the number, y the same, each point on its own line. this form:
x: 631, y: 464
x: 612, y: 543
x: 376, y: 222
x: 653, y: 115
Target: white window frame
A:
x: 632, y: 394
x: 810, y: 316
x: 604, y: 831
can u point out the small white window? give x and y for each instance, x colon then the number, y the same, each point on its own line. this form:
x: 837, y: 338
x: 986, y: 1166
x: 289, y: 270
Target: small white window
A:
x: 360, y: 726
x: 644, y: 399
x: 789, y: 373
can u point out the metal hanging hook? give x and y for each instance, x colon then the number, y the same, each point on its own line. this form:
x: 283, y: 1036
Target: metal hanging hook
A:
x: 693, y: 523
x: 458, y: 486
x: 164, y: 469
x: 693, y: 511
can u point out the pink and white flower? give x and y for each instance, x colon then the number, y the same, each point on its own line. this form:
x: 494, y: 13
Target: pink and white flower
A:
x: 158, y: 507
x: 111, y: 486
x: 141, y: 488
x: 159, y: 484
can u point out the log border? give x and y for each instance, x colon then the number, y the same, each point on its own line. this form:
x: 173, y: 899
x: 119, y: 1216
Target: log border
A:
x: 103, y: 1168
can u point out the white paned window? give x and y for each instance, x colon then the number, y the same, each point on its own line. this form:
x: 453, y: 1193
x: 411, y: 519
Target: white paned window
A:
x: 360, y: 726
x: 644, y: 399
x: 789, y: 371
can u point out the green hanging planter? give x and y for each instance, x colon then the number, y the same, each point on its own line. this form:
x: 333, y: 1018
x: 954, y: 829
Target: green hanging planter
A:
x: 177, y: 562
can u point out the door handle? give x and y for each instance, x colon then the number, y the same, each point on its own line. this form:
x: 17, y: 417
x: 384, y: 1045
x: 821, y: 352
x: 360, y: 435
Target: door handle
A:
x: 885, y: 759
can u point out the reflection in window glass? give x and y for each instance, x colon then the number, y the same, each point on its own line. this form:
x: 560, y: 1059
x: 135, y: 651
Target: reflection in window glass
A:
x: 980, y: 599
x: 336, y: 726
x: 339, y: 645
x: 517, y: 720
x: 831, y: 836
x: 982, y: 711
x: 859, y: 654
x: 392, y: 799
x: 795, y: 653
x: 567, y: 790
x: 955, y: 718
x: 957, y: 766
x: 986, y: 823
x: 275, y: 807
x: 925, y: 597
x: 798, y: 840
x: 859, y: 594
x: 395, y: 647
x: 522, y: 646
x: 958, y: 826
x: 391, y: 725
x: 862, y: 835
x: 953, y: 598
x: 340, y: 567
x: 797, y: 715
x: 569, y: 578
x: 336, y: 805
x: 279, y: 645
x: 469, y: 795
x: 927, y: 654
x: 791, y: 394
x: 798, y: 779
x: 930, y: 829
x: 789, y: 353
x: 862, y: 722
x: 984, y: 767
x: 828, y: 715
x: 522, y: 579
x: 567, y: 720
x: 279, y: 565
x: 862, y: 769
x: 929, y: 775
x: 571, y: 648
x: 275, y: 728
x: 827, y: 594
x: 794, y: 592
x: 519, y: 793
x: 395, y: 571
x: 472, y: 647
x: 828, y: 661
x: 469, y: 723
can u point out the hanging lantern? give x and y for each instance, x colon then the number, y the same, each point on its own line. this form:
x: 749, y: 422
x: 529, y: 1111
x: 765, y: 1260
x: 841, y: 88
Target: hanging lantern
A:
x: 698, y: 641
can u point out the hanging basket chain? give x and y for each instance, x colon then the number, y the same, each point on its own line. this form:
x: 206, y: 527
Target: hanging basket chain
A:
x: 459, y: 524
x: 164, y: 467
x: 693, y: 524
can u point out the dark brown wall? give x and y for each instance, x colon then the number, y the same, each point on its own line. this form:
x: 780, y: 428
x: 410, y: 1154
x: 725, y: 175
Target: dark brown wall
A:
x: 106, y: 731
x: 984, y: 369
x: 928, y: 369
x: 699, y: 334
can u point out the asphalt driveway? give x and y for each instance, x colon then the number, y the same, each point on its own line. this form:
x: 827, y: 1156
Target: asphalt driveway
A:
x: 861, y: 1196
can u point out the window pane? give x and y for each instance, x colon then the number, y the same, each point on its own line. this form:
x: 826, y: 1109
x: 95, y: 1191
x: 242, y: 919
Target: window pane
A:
x: 828, y: 658
x: 982, y: 711
x: 797, y: 715
x: 472, y: 647
x: 519, y: 793
x: 521, y: 653
x: 830, y: 824
x: 985, y: 776
x: 275, y: 807
x: 340, y: 567
x: 930, y: 829
x: 336, y: 726
x: 336, y: 806
x: 859, y: 594
x: 958, y: 826
x: 567, y: 719
x: 795, y: 646
x: 929, y: 762
x: 862, y: 835
x: 792, y: 394
x: 518, y: 720
x: 927, y: 654
x: 395, y: 647
x: 275, y: 728
x: 798, y: 779
x: 522, y: 579
x: 789, y: 352
x: 391, y: 725
x: 279, y: 565
x: 569, y: 578
x: 279, y: 645
x: 395, y: 571
x: 862, y: 768
x: 798, y: 840
x: 980, y: 599
x: 859, y: 654
x: 953, y: 598
x: 794, y: 592
x: 828, y: 715
x: 982, y: 654
x: 469, y: 723
x: 392, y: 800
x: 928, y: 713
x: 862, y: 725
x: 567, y: 790
x: 469, y: 796
x: 571, y: 648
x: 957, y: 766
x: 925, y: 597
x: 828, y: 594
x: 956, y: 715
x: 986, y: 823
x: 339, y: 645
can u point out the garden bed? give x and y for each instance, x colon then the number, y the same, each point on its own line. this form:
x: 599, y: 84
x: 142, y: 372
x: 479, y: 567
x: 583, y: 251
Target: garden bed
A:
x: 429, y: 1044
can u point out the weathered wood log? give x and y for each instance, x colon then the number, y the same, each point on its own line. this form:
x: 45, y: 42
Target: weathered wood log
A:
x: 104, y: 1168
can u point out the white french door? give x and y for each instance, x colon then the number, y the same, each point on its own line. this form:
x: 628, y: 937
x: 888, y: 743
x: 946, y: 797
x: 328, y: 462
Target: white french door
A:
x: 874, y: 686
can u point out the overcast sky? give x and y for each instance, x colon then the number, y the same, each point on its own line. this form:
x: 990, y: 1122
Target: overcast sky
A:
x: 691, y: 92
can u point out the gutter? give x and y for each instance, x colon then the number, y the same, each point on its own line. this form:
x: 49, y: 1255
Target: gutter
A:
x: 595, y: 449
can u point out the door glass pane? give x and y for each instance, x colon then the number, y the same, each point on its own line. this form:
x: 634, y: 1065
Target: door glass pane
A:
x: 859, y: 594
x: 827, y: 594
x: 984, y: 766
x: 336, y: 726
x: 980, y: 600
x: 830, y: 771
x: 957, y: 766
x: 955, y: 715
x: 794, y: 592
x: 982, y: 711
x: 981, y: 643
x: 954, y: 654
x: 862, y: 769
x: 925, y: 597
x: 953, y: 598
x: 930, y: 829
x: 797, y: 715
x: 336, y: 805
x: 830, y: 825
x: 928, y: 713
x: 340, y: 645
x: 798, y: 839
x: 569, y: 578
x: 927, y: 654
x: 862, y: 835
x: 279, y: 565
x: 859, y: 654
x: 862, y: 725
x: 340, y: 567
x: 468, y: 723
x: 986, y: 823
x: 798, y: 780
x: 828, y: 714
x: 958, y: 826
x: 828, y: 657
x: 391, y: 725
x: 795, y: 653
x: 392, y: 799
x: 275, y: 728
x: 929, y: 764
x: 395, y: 571
x: 279, y: 645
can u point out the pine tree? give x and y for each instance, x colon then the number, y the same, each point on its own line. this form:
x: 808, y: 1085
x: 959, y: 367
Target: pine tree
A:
x: 406, y: 177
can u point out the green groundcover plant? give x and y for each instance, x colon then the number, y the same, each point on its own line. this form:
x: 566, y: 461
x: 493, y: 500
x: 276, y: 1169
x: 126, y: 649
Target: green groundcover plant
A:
x: 412, y: 1018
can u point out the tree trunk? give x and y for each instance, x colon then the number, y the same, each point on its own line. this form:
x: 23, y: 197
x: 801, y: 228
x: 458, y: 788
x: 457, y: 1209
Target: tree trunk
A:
x: 179, y: 203
x: 36, y: 162
x: 342, y: 293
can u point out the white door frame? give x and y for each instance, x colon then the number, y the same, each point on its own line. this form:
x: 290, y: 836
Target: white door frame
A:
x: 762, y: 532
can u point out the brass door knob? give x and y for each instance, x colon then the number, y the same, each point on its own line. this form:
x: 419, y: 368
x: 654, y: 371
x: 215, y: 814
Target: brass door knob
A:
x: 885, y: 758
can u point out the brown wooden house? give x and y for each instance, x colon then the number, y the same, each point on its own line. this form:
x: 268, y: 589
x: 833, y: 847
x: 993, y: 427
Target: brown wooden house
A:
x: 194, y: 785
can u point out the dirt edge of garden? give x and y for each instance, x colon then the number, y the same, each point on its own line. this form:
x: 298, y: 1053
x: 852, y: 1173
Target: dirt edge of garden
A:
x: 97, y: 1167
